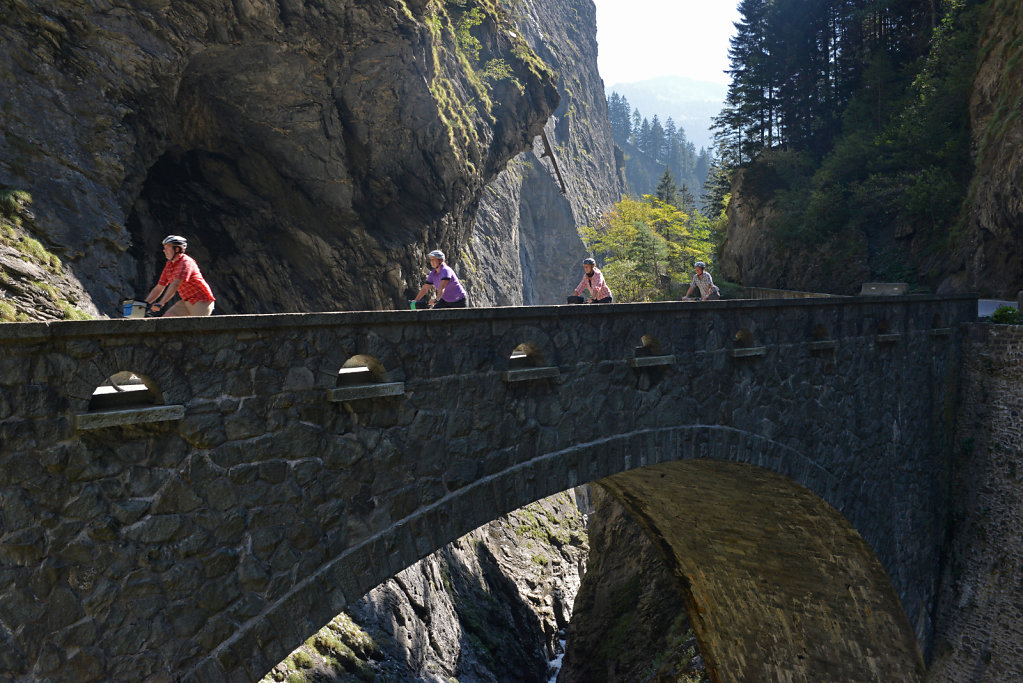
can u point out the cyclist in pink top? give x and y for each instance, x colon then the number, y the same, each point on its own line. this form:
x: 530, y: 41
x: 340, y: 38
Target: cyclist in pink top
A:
x: 593, y: 280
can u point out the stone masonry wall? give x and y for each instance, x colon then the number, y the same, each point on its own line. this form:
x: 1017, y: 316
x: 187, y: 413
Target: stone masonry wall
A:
x: 980, y: 635
x: 208, y: 546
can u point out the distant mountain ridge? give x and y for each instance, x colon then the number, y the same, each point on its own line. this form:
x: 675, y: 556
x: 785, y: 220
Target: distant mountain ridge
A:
x: 691, y: 103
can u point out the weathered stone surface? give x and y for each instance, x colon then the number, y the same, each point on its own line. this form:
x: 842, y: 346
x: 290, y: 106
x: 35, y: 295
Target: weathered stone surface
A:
x: 308, y: 151
x: 525, y: 246
x: 801, y: 557
x: 629, y: 619
x: 979, y: 612
x: 986, y: 258
x: 471, y: 447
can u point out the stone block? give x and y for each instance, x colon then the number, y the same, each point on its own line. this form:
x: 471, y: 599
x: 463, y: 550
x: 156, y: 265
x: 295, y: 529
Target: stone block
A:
x: 203, y: 430
x: 361, y: 392
x: 299, y: 379
x: 177, y: 496
x: 23, y: 548
x: 530, y: 374
x: 130, y: 416
x: 651, y: 361
x: 209, y: 671
x: 154, y: 529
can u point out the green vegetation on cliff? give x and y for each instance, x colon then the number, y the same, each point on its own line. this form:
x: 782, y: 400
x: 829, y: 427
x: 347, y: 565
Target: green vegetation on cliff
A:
x: 862, y: 130
x: 31, y: 276
x: 456, y: 57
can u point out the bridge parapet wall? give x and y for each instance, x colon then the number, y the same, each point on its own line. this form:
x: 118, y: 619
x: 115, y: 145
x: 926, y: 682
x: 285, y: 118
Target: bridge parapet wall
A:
x: 211, y: 544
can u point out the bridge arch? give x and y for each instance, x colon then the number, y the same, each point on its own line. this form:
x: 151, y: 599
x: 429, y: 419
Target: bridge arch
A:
x: 777, y: 588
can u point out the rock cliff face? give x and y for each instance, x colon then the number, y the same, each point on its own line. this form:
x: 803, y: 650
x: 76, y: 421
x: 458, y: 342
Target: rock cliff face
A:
x: 309, y: 151
x: 979, y: 611
x: 485, y: 608
x: 526, y: 229
x: 752, y: 256
x: 988, y: 258
x: 629, y: 622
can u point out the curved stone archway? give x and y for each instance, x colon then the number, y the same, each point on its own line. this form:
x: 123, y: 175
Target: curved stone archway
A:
x: 780, y: 585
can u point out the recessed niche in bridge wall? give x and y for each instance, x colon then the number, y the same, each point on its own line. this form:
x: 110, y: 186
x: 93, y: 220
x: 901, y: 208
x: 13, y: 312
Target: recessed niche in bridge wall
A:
x: 745, y: 345
x: 363, y: 376
x: 126, y: 398
x: 527, y: 363
x: 822, y: 341
x: 650, y: 354
x: 885, y: 335
x: 938, y: 328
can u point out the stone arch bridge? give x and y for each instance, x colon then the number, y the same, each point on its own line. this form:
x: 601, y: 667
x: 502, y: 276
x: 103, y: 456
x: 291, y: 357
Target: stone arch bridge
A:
x: 791, y: 458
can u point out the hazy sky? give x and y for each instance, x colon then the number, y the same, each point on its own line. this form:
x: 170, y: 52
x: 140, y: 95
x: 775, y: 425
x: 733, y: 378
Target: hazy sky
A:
x: 641, y: 39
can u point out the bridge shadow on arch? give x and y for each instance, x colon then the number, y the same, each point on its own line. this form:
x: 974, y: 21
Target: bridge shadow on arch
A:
x: 779, y: 584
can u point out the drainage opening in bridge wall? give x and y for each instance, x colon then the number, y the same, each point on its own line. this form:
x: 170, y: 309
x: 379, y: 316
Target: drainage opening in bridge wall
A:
x: 745, y: 345
x: 127, y: 398
x: 363, y: 376
x: 938, y: 328
x: 650, y: 354
x: 885, y: 334
x: 526, y: 363
x: 822, y: 343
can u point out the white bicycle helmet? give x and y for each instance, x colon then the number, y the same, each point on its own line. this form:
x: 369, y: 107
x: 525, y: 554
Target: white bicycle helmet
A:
x: 176, y: 240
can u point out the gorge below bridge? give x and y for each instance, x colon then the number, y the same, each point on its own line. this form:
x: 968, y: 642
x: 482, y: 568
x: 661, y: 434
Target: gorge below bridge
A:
x: 790, y: 458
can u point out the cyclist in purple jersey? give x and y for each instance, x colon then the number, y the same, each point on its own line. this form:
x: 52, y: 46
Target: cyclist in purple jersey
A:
x: 450, y: 293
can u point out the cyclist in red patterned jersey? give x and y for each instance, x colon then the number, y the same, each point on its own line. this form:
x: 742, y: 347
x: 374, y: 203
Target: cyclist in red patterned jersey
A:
x: 181, y: 276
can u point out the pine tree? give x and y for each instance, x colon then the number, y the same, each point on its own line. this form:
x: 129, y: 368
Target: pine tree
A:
x: 686, y: 200
x: 667, y: 190
x: 621, y: 119
x: 655, y: 144
x: 717, y: 187
x: 643, y: 141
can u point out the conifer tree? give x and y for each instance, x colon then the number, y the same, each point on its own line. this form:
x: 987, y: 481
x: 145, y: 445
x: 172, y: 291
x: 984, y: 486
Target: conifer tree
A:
x: 686, y: 200
x: 643, y: 139
x: 637, y: 124
x: 655, y: 143
x: 667, y: 190
x: 621, y: 118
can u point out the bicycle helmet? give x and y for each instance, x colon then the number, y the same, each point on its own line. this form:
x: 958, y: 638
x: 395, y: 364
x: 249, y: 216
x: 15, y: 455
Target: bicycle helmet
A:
x: 700, y: 264
x: 589, y: 261
x: 436, y: 253
x: 176, y: 240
